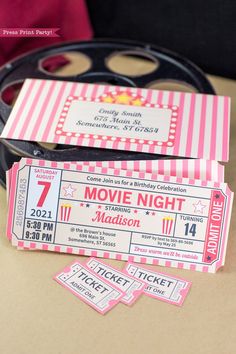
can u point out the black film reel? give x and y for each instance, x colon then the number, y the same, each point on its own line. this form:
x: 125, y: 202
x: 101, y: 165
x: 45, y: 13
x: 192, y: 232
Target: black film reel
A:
x: 39, y: 64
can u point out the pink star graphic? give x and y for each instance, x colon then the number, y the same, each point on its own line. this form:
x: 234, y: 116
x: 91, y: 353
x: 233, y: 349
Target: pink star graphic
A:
x: 198, y: 207
x: 69, y: 190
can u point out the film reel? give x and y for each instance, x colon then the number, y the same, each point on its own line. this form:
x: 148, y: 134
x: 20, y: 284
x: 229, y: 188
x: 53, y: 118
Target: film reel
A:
x: 97, y: 63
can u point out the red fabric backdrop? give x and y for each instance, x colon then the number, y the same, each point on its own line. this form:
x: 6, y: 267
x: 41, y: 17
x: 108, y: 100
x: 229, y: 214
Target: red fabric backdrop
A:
x: 70, y: 16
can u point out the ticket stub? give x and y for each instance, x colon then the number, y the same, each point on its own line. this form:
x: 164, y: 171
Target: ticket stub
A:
x: 89, y: 287
x: 132, y: 287
x: 160, y: 285
x: 120, y: 214
x: 121, y: 118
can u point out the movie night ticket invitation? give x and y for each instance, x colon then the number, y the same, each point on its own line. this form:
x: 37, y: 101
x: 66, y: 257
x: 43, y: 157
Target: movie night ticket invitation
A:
x: 113, y: 213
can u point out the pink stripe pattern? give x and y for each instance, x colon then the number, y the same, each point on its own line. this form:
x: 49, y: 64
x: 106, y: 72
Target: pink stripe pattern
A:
x: 50, y: 111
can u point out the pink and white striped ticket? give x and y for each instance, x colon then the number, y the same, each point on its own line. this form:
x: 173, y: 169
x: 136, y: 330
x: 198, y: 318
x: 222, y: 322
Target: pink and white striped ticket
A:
x: 161, y: 286
x: 112, y: 117
x: 89, y: 287
x: 121, y: 214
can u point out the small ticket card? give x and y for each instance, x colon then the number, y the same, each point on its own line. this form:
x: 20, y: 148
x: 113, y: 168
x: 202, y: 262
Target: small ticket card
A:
x: 132, y: 287
x: 121, y: 118
x: 89, y: 287
x: 160, y: 285
x: 122, y: 214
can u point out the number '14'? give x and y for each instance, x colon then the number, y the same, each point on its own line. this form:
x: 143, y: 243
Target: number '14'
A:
x: 190, y: 229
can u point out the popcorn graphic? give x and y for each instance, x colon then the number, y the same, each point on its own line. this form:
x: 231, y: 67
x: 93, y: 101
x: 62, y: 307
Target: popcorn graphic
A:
x: 65, y: 212
x: 167, y: 223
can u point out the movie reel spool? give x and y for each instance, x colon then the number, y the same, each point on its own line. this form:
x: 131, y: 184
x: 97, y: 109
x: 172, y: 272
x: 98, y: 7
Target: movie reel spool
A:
x: 169, y: 66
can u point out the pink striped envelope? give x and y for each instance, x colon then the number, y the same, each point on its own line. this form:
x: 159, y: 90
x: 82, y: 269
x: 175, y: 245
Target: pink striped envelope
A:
x: 112, y: 117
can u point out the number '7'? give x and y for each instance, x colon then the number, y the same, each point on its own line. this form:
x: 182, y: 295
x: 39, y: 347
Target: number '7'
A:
x: 44, y: 193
